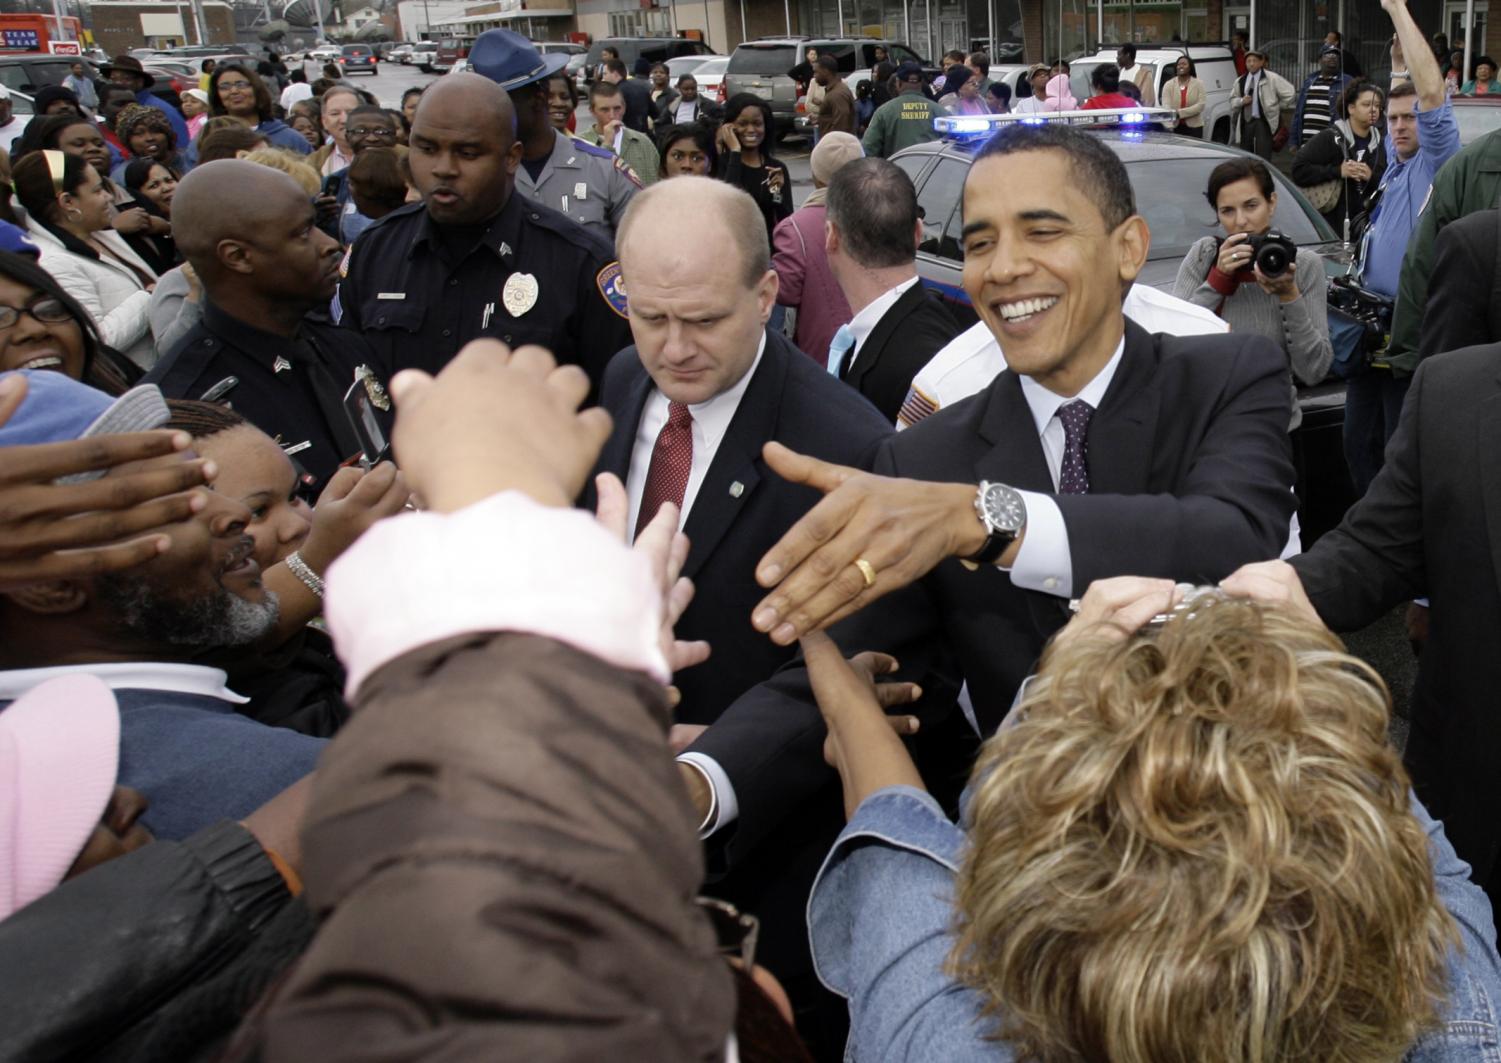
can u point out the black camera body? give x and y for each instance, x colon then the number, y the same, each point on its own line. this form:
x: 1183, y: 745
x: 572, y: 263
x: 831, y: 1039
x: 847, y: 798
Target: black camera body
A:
x: 1273, y: 253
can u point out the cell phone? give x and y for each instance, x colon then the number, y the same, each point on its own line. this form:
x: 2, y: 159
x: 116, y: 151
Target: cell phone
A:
x: 330, y: 185
x: 374, y: 447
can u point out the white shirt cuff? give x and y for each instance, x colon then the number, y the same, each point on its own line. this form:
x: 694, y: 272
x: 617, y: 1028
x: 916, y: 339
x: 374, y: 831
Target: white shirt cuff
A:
x: 506, y: 563
x: 1044, y: 563
x: 723, y: 808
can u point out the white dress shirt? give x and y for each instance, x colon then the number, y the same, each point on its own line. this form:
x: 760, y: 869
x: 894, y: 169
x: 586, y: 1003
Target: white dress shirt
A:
x: 687, y: 111
x: 1044, y: 562
x: 710, y: 422
x: 128, y: 675
x: 864, y: 323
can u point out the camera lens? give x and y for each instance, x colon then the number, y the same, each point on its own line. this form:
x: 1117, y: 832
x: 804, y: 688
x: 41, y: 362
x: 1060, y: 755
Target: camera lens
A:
x: 1272, y: 260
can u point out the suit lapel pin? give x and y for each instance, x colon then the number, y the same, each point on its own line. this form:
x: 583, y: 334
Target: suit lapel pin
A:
x: 737, y: 489
x: 280, y: 364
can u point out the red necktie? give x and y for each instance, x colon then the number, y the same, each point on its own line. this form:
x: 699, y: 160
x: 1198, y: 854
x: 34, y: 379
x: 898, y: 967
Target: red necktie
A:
x: 671, y: 460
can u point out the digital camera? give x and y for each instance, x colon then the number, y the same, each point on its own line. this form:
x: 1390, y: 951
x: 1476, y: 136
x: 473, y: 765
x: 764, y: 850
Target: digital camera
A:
x: 1273, y: 253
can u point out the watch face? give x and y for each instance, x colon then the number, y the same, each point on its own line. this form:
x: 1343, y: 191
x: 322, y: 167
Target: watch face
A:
x: 1004, y: 509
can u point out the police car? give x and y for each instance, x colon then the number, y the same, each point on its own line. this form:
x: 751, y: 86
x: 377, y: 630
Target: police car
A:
x: 1169, y: 175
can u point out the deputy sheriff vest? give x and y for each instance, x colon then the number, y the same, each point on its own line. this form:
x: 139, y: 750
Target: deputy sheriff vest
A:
x: 588, y: 184
x: 418, y: 291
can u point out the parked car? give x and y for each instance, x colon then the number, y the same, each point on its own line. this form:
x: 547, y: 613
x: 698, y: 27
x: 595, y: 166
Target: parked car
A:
x: 324, y: 53
x: 630, y: 49
x: 1477, y: 116
x: 1214, y: 66
x: 710, y: 78
x: 28, y: 71
x: 423, y: 54
x: 761, y: 67
x: 450, y: 51
x: 577, y: 66
x: 560, y: 48
x: 1168, y: 176
x: 361, y: 57
x: 402, y: 54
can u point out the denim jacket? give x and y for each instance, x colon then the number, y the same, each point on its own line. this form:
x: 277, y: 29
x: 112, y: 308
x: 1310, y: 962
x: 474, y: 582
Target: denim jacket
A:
x: 881, y: 913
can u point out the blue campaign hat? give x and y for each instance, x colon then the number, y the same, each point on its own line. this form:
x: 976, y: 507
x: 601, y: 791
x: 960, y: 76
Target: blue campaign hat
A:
x: 17, y: 241
x: 58, y: 409
x: 510, y: 60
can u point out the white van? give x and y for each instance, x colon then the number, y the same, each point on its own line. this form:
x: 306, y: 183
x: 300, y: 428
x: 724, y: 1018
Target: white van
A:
x: 1213, y: 65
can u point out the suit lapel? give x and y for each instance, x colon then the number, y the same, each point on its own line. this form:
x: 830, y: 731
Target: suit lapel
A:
x: 1015, y: 455
x: 1488, y: 446
x: 735, y: 472
x: 1122, y: 430
x: 616, y: 456
x: 870, y: 351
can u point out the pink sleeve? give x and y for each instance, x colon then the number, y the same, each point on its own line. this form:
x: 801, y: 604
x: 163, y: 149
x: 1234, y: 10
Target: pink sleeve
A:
x: 504, y: 564
x: 789, y: 259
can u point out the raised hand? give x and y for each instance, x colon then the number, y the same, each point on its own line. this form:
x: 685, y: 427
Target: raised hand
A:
x: 51, y: 531
x: 495, y: 420
x: 899, y: 528
x: 351, y: 502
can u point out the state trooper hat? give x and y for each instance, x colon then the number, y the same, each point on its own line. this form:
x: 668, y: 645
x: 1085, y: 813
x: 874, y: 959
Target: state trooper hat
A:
x: 510, y: 60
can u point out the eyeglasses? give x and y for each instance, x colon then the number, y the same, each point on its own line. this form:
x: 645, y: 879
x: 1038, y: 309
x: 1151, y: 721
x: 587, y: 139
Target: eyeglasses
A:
x: 371, y: 131
x: 234, y: 86
x: 47, y: 309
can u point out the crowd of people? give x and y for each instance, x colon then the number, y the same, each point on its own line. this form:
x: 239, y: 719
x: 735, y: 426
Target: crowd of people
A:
x: 473, y: 586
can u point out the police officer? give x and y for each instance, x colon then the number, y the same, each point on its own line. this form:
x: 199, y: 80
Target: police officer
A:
x: 475, y: 260
x: 249, y: 232
x: 589, y: 184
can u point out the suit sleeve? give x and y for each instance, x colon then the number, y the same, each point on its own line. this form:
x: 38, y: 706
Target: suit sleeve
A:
x: 1374, y: 559
x: 1232, y: 504
x: 1462, y: 274
x: 770, y: 740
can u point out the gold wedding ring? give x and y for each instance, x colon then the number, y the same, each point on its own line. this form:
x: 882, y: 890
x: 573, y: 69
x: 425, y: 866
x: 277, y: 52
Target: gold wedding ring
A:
x: 867, y: 570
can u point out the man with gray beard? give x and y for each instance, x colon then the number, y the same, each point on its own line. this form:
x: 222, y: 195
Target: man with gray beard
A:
x: 182, y: 742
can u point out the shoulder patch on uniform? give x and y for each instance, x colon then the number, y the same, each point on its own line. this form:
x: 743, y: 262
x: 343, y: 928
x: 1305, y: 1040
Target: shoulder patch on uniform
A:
x: 344, y: 262
x: 612, y: 287
x: 630, y: 174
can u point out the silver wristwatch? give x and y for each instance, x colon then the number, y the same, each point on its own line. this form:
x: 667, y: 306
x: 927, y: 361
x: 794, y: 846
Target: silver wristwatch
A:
x: 1004, y: 514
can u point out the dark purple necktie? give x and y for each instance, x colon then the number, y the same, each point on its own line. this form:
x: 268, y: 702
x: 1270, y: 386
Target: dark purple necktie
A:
x: 1073, y: 477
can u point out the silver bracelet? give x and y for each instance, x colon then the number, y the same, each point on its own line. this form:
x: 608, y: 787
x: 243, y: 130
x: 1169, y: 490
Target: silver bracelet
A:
x: 299, y: 568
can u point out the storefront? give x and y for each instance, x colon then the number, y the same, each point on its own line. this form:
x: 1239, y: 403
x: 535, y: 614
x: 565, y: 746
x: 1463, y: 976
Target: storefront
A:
x: 930, y: 27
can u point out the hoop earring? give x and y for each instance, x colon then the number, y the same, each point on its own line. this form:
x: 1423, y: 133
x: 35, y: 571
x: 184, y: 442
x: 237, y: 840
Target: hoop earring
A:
x: 74, y: 214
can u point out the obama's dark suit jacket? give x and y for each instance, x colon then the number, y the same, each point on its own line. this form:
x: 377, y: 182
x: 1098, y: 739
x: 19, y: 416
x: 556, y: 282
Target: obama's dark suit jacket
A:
x: 1190, y: 474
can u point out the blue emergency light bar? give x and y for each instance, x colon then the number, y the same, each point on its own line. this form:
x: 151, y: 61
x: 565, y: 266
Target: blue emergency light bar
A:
x: 973, y: 126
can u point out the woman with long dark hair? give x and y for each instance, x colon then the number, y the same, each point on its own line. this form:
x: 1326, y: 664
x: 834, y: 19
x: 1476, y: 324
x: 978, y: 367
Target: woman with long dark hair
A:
x: 70, y: 210
x: 52, y: 331
x: 152, y: 185
x: 745, y: 159
x: 239, y: 92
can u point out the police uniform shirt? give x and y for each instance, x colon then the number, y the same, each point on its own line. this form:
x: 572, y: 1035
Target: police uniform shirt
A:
x: 533, y: 276
x: 589, y: 184
x: 292, y: 390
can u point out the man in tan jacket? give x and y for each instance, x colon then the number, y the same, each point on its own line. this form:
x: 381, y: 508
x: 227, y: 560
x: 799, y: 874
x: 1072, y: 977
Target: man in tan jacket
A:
x: 1257, y: 104
x: 1138, y: 74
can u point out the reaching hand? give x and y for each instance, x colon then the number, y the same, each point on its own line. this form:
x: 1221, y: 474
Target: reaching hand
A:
x: 54, y: 531
x: 1275, y: 582
x: 667, y: 548
x: 863, y: 743
x: 351, y: 502
x: 493, y: 421
x: 901, y: 529
x: 1116, y: 608
x: 129, y: 222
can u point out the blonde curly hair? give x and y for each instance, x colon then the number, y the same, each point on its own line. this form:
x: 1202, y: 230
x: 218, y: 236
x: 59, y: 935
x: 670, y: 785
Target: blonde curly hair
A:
x: 1196, y: 846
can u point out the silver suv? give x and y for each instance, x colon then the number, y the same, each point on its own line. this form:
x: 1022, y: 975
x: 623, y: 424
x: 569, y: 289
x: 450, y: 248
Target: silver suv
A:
x: 762, y: 67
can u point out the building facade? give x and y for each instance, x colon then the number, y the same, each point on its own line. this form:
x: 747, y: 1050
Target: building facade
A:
x: 120, y: 25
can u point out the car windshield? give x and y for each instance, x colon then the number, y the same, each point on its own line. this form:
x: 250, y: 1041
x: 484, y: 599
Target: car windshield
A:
x: 1476, y: 120
x: 1170, y: 196
x: 765, y: 60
